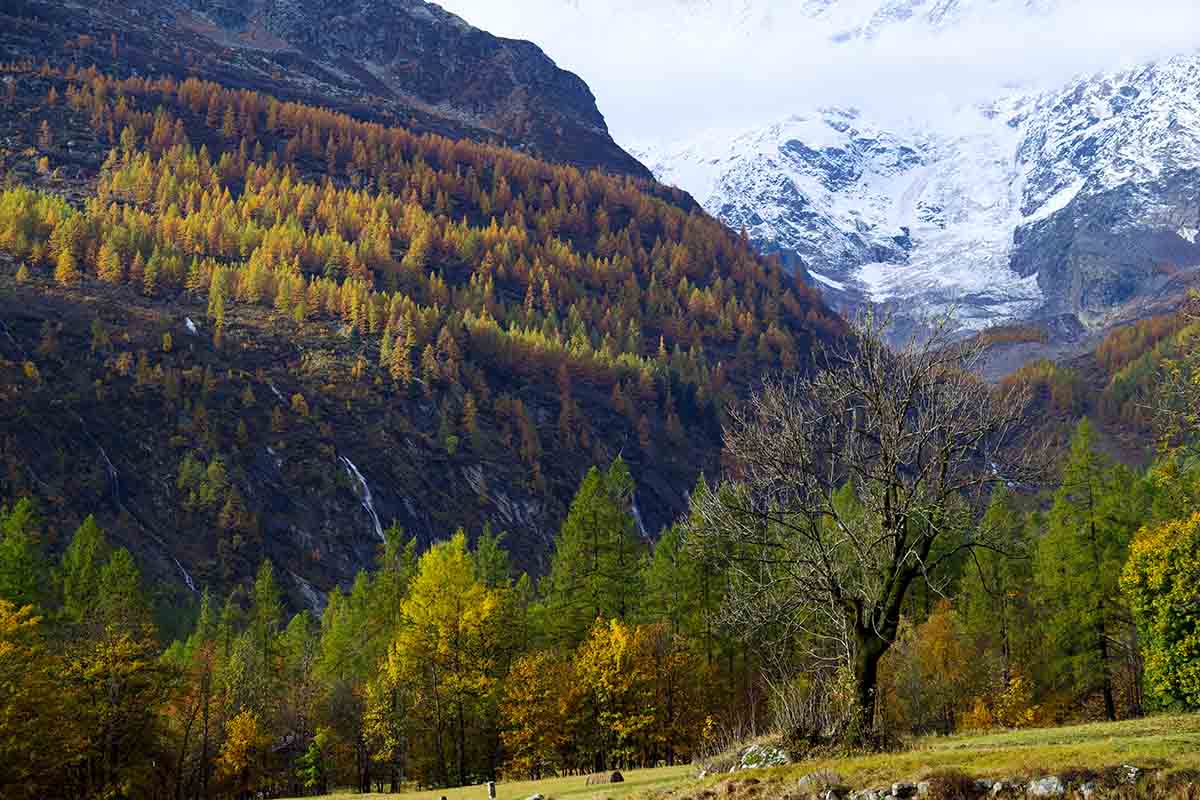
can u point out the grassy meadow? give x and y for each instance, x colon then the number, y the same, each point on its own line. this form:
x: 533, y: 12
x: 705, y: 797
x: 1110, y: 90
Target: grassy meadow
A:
x: 573, y: 787
x: 1169, y: 743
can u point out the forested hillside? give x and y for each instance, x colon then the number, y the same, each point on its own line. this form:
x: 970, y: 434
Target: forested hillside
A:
x: 230, y: 322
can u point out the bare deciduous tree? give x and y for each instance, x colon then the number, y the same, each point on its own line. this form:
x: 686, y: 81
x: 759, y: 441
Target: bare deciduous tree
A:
x: 849, y: 486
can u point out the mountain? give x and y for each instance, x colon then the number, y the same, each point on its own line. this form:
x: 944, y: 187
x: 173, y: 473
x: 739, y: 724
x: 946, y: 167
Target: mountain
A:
x: 236, y: 328
x: 1033, y: 203
x: 400, y: 61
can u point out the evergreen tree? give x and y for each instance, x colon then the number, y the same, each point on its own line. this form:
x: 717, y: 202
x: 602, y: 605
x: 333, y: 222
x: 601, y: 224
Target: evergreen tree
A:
x: 594, y: 570
x: 995, y: 602
x: 1079, y: 562
x: 120, y: 603
x: 80, y: 571
x: 266, y: 613
x: 22, y: 567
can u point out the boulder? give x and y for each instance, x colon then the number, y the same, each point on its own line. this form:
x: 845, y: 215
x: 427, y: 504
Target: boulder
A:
x: 869, y: 794
x: 600, y: 778
x: 815, y: 783
x: 903, y: 790
x: 759, y: 756
x: 1050, y: 786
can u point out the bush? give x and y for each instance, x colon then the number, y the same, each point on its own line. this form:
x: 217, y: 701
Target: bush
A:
x: 951, y: 785
x: 1162, y: 582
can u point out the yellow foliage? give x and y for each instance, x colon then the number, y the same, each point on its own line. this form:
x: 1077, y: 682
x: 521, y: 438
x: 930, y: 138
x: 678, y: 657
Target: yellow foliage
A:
x: 244, y: 743
x: 536, y: 708
x: 610, y: 666
x: 1162, y: 582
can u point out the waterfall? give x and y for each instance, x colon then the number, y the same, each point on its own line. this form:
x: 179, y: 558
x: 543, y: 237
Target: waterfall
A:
x: 114, y: 479
x: 637, y: 517
x: 367, y: 503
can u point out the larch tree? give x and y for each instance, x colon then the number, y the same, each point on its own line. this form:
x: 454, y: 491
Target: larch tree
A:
x: 595, y: 567
x: 446, y: 646
x: 1095, y: 514
x: 66, y: 270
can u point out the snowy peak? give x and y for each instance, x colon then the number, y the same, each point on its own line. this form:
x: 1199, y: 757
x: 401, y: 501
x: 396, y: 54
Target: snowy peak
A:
x: 1069, y: 201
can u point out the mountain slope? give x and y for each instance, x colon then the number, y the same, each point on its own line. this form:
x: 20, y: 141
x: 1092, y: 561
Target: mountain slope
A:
x: 236, y: 328
x: 405, y: 61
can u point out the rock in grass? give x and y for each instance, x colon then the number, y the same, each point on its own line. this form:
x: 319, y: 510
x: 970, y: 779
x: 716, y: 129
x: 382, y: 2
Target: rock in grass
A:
x: 759, y: 756
x: 1051, y: 786
x: 818, y: 782
x: 599, y: 778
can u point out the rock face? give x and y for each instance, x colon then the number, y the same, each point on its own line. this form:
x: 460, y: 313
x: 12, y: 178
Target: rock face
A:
x: 1074, y: 200
x: 402, y: 60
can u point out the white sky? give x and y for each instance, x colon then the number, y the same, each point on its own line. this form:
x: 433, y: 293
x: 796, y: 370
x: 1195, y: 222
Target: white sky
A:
x: 667, y: 69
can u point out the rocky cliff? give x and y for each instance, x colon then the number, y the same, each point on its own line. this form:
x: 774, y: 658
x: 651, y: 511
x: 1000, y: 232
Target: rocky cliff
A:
x: 405, y: 61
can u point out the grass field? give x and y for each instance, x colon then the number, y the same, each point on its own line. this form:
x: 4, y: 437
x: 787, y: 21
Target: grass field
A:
x: 1168, y: 743
x: 574, y: 787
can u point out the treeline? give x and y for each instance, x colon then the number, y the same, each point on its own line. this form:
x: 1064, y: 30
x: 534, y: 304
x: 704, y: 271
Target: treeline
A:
x: 445, y: 668
x: 1056, y: 621
x: 438, y: 668
x: 1117, y: 382
x: 589, y: 261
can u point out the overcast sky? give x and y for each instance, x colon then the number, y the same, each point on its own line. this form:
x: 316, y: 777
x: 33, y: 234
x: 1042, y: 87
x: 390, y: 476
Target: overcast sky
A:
x: 667, y: 69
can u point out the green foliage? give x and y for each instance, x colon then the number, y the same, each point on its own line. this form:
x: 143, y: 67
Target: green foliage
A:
x: 121, y: 603
x: 1162, y: 585
x: 594, y: 572
x: 1079, y: 558
x: 80, y: 572
x: 996, y: 604
x: 22, y: 564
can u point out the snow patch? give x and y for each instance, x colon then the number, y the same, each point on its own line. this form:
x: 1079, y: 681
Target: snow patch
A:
x: 1058, y: 202
x: 830, y: 282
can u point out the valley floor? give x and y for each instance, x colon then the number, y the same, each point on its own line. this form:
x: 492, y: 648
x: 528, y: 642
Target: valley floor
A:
x: 574, y: 787
x: 1167, y: 744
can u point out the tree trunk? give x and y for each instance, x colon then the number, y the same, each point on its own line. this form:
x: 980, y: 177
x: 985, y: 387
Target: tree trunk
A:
x: 866, y: 679
x: 1110, y: 706
x: 460, y: 746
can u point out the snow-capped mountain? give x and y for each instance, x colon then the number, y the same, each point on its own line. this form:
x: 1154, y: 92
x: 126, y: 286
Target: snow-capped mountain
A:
x: 871, y: 213
x: 1068, y: 200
